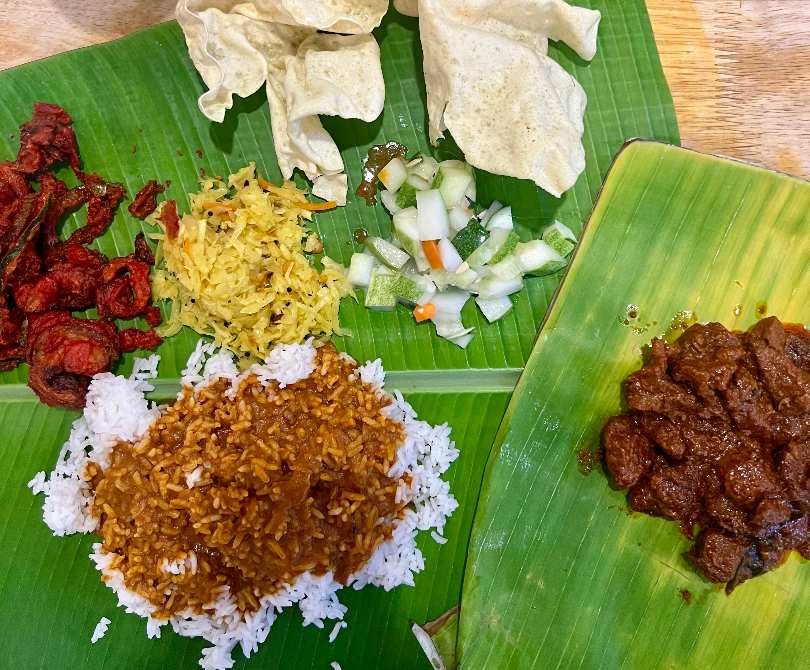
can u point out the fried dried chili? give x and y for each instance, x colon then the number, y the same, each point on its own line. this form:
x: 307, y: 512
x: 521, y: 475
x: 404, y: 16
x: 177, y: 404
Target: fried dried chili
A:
x: 131, y: 339
x: 64, y: 353
x: 142, y: 251
x: 169, y: 219
x: 47, y: 139
x: 152, y: 316
x: 102, y: 201
x: 125, y: 290
x: 71, y: 283
x: 145, y: 201
x: 43, y: 278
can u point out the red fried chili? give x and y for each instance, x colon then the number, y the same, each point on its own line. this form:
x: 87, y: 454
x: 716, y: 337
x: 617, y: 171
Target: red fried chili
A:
x: 43, y: 277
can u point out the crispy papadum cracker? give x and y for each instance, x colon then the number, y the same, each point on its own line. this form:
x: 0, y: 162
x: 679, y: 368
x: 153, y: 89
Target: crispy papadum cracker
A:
x: 512, y: 109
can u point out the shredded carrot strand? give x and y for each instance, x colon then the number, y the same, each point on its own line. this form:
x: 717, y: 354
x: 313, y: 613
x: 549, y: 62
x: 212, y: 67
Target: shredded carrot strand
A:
x: 319, y: 206
x: 431, y: 249
x: 424, y: 312
x: 263, y: 183
x: 219, y: 205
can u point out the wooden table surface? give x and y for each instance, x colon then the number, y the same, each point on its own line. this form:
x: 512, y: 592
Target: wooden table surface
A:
x: 739, y: 70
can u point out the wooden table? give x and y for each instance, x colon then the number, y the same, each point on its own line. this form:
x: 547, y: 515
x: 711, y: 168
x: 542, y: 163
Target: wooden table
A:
x: 739, y: 70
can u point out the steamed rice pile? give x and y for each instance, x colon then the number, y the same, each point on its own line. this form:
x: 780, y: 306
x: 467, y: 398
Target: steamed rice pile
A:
x: 117, y: 410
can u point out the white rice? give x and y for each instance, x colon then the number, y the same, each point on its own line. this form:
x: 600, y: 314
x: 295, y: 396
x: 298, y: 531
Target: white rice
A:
x: 117, y: 410
x: 100, y: 630
x: 340, y: 625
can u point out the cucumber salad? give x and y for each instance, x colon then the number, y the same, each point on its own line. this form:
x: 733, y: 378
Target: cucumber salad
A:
x: 446, y: 249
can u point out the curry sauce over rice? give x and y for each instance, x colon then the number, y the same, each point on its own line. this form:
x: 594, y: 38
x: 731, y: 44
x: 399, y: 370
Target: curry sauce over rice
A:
x: 251, y: 491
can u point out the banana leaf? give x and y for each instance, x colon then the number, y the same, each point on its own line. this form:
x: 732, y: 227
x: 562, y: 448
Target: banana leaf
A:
x: 559, y: 574
x: 134, y: 106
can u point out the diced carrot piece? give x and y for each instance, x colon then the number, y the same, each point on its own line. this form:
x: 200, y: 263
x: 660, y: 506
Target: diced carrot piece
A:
x: 431, y: 249
x: 424, y: 312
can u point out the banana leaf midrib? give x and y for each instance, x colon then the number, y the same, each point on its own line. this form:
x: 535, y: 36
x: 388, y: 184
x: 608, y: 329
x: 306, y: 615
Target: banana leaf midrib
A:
x: 487, y: 380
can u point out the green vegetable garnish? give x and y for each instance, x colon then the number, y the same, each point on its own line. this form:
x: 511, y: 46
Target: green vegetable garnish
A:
x: 386, y: 253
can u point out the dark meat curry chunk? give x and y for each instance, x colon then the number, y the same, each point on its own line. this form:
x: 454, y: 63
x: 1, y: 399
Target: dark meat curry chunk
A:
x: 717, y: 438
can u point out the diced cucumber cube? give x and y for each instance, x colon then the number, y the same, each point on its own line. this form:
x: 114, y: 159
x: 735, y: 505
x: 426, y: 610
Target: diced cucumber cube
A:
x: 450, y: 328
x: 452, y: 182
x: 425, y: 168
x: 495, y: 308
x: 425, y: 285
x: 466, y: 280
x: 459, y: 218
x: 394, y: 174
x: 360, y: 268
x: 387, y: 253
x: 418, y: 183
x: 501, y: 219
x: 454, y: 331
x: 538, y: 257
x: 462, y: 340
x: 483, y: 254
x: 560, y: 238
x: 380, y: 294
x: 493, y: 287
x: 405, y: 224
x: 506, y: 248
x: 406, y: 290
x: 389, y: 201
x: 431, y: 219
x: 469, y: 238
x: 449, y: 303
x: 507, y: 268
x: 450, y: 257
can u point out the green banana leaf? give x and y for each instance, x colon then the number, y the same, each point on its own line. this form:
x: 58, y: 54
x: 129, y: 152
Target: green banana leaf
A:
x: 559, y: 575
x: 134, y: 106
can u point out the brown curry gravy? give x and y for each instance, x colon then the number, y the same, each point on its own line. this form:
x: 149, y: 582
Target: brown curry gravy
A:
x: 288, y: 480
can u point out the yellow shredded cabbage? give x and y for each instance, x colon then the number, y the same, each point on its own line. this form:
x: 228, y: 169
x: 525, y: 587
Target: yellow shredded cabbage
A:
x: 237, y: 271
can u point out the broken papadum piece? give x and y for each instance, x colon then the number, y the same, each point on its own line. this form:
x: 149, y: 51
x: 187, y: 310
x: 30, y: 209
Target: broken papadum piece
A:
x: 351, y: 17
x: 306, y: 73
x: 335, y: 75
x: 407, y: 7
x: 511, y: 109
